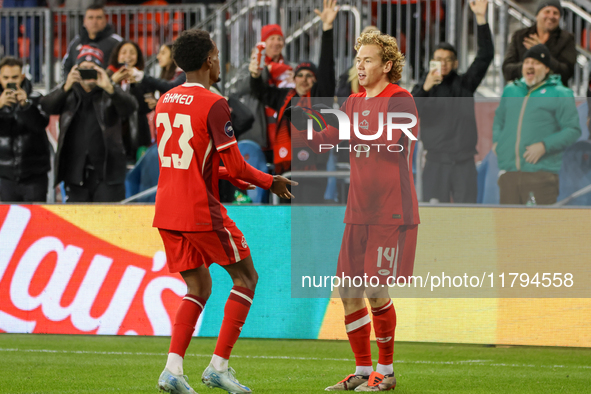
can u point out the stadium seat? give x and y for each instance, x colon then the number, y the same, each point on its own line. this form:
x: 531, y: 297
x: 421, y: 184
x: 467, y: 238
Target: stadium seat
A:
x: 144, y: 175
x: 575, y: 173
x: 488, y: 173
x: 583, y: 110
x: 254, y: 156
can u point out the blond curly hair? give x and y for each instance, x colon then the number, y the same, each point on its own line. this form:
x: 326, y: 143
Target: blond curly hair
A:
x: 388, y: 50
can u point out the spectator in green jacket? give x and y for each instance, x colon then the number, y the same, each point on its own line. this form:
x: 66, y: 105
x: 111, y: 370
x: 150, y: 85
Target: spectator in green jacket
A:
x: 535, y: 122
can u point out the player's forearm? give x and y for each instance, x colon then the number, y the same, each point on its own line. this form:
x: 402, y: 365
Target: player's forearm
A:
x: 241, y: 170
x: 224, y: 174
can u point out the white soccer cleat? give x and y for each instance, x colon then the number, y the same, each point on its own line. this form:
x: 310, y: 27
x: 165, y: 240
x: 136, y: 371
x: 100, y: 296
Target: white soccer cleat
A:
x: 174, y: 384
x: 226, y: 380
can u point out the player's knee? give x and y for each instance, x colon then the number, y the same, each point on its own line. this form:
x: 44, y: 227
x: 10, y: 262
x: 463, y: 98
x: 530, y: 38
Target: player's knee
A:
x: 350, y: 293
x: 251, y: 280
x: 353, y: 304
x: 203, y: 290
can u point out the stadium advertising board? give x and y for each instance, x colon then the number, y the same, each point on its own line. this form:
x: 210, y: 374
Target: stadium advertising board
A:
x: 100, y: 269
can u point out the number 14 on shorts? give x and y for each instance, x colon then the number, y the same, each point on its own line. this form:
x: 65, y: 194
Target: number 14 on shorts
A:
x: 389, y: 254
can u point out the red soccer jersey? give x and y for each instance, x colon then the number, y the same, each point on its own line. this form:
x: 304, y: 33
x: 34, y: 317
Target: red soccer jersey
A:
x: 382, y: 187
x: 193, y: 126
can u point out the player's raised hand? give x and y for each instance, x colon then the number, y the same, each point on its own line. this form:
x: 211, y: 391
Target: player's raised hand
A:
x: 328, y: 14
x: 279, y: 187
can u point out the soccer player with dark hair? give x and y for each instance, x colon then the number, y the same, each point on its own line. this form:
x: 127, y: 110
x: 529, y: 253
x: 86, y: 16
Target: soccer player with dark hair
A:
x: 382, y: 213
x: 194, y: 133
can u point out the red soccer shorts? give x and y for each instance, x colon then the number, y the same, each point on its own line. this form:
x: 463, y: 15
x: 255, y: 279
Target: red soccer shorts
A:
x: 190, y: 250
x: 377, y: 250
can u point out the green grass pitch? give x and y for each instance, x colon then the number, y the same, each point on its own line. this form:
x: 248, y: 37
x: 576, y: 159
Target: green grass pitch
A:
x: 98, y: 364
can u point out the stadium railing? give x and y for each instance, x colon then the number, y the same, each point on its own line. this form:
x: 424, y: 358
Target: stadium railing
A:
x: 418, y: 26
x: 41, y: 36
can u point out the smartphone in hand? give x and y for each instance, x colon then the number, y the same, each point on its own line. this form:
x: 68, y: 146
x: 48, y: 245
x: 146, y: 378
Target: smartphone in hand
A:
x: 435, y: 65
x: 11, y: 86
x: 88, y: 74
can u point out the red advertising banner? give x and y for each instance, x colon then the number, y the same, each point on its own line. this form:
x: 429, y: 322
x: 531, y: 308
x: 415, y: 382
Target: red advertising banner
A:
x: 56, y: 277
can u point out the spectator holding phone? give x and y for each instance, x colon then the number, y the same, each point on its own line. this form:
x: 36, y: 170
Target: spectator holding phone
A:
x: 90, y: 157
x: 448, y: 127
x: 126, y: 62
x: 24, y: 148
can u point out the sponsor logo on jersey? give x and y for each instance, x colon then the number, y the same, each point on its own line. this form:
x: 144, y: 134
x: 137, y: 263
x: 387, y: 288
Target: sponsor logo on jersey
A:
x: 384, y: 272
x: 384, y: 340
x: 244, y: 245
x: 364, y: 124
x: 365, y: 113
x: 303, y: 155
x: 283, y: 152
x: 228, y: 129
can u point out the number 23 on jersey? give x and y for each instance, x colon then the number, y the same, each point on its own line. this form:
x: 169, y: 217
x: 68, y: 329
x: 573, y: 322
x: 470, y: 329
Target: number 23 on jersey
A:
x: 183, y: 122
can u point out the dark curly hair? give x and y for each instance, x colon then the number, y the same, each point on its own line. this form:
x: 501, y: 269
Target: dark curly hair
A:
x: 388, y: 51
x: 114, y: 58
x: 191, y: 49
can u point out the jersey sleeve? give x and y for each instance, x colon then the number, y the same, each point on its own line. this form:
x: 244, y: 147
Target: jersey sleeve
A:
x: 219, y: 125
x: 238, y: 169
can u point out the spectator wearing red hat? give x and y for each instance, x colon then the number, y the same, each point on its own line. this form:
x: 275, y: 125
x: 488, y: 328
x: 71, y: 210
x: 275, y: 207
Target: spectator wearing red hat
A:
x: 277, y: 72
x: 310, y: 81
x: 90, y: 159
x: 280, y: 73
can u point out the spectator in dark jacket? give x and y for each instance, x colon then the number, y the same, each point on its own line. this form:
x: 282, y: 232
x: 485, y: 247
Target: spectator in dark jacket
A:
x: 90, y: 158
x: 448, y: 127
x: 546, y: 31
x: 95, y: 30
x: 24, y: 148
x: 125, y: 63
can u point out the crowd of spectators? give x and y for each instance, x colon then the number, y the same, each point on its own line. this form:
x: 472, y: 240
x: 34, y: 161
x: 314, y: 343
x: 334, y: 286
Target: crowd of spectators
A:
x: 106, y: 101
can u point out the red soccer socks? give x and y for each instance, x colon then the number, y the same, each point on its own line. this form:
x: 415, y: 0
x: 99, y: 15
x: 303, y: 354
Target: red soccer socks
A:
x: 235, y: 314
x: 384, y: 322
x: 184, y: 323
x: 358, y: 326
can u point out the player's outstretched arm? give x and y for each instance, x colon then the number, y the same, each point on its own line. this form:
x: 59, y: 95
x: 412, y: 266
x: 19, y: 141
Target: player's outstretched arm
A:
x: 279, y: 187
x: 299, y: 118
x: 224, y: 174
x: 239, y: 169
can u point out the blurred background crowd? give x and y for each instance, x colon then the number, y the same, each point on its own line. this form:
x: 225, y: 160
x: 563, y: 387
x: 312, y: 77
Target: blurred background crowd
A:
x: 501, y: 88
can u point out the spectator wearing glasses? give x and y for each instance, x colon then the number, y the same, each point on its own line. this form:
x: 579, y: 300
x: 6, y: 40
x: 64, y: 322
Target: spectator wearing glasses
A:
x: 448, y: 127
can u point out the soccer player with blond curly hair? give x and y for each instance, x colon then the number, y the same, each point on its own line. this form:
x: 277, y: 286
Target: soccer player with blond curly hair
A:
x: 382, y: 214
